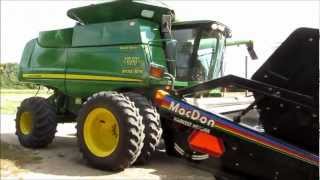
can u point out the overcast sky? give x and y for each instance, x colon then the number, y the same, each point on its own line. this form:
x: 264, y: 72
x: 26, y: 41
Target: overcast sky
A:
x: 268, y: 23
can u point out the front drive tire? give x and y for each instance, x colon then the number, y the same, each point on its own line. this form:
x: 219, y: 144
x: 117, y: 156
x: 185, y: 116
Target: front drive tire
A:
x: 110, y: 131
x: 35, y: 122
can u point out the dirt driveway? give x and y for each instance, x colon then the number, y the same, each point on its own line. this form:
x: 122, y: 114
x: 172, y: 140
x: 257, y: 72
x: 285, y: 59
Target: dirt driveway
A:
x: 62, y: 160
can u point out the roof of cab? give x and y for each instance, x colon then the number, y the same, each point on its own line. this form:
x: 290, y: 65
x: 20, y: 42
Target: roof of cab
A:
x: 200, y: 23
x: 186, y: 24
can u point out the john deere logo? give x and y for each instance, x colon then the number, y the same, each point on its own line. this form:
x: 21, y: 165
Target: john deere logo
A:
x: 195, y: 115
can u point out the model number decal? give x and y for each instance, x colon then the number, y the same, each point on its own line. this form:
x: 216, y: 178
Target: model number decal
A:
x: 132, y: 65
x: 131, y: 61
x: 128, y: 47
x: 132, y: 70
x: 189, y: 124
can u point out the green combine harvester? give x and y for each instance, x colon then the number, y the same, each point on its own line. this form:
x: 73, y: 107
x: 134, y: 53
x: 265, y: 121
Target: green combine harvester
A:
x: 105, y: 71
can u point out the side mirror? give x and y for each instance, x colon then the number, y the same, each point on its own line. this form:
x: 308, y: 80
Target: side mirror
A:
x: 251, y: 51
x: 166, y: 24
x: 171, y: 55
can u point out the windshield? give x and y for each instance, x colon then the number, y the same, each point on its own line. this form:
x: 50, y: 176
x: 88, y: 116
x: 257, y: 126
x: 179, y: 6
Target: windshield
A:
x: 209, y: 56
x: 184, y: 47
x: 206, y: 63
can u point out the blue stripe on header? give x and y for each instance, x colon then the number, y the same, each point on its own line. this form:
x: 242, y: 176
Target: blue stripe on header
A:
x: 228, y: 122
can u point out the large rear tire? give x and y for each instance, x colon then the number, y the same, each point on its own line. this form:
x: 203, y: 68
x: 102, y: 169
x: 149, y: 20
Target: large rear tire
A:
x: 151, y: 121
x: 35, y: 122
x: 110, y: 131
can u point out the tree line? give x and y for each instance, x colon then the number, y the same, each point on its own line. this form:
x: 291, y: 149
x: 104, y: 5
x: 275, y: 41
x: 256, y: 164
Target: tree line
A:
x: 9, y: 77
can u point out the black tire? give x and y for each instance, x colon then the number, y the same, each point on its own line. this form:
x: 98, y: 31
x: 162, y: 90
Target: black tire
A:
x: 151, y: 121
x: 43, y: 122
x: 131, y: 129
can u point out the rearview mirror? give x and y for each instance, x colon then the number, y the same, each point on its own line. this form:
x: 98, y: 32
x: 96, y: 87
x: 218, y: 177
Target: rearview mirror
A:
x: 166, y: 24
x: 171, y: 55
x: 251, y: 51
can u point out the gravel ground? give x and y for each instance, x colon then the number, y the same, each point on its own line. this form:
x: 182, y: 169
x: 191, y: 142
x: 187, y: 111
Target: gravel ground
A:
x: 62, y: 160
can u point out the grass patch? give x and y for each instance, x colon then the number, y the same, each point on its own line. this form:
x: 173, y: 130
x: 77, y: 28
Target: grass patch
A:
x: 23, y: 91
x: 11, y: 98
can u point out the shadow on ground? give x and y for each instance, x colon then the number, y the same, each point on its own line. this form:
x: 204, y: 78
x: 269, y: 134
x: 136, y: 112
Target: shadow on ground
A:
x: 62, y: 158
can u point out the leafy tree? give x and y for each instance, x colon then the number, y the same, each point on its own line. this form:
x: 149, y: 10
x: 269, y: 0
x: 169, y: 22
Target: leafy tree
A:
x: 9, y: 77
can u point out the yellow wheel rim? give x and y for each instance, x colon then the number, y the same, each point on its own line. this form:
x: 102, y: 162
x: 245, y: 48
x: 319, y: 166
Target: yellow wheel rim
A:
x: 101, y: 132
x: 25, y: 123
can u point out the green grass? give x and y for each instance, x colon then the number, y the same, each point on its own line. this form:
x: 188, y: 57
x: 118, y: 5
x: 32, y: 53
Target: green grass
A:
x: 11, y: 98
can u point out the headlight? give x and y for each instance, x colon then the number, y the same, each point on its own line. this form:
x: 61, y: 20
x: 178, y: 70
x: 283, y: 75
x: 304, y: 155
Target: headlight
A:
x: 218, y: 27
x: 214, y: 26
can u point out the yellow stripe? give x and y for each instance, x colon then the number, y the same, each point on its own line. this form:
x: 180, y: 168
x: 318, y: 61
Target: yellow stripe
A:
x: 106, y: 78
x: 40, y: 76
x: 77, y: 77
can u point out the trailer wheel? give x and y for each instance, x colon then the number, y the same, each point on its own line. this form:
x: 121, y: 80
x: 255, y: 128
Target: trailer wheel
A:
x: 35, y: 122
x: 151, y: 121
x: 110, y: 131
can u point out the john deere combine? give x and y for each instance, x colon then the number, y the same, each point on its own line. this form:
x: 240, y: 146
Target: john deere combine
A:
x: 105, y: 72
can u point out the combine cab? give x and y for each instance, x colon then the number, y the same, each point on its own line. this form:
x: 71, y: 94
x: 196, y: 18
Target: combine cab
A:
x: 104, y: 72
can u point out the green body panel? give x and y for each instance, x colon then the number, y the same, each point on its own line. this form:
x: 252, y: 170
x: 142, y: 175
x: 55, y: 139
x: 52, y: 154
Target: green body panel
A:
x: 76, y: 88
x: 116, y: 61
x: 156, y: 55
x: 48, y: 59
x: 26, y: 55
x: 104, y: 59
x: 111, y: 49
x: 106, y: 34
x: 56, y: 39
x: 137, y: 31
x: 36, y: 59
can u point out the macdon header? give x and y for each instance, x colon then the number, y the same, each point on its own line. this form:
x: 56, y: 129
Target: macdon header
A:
x: 193, y: 114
